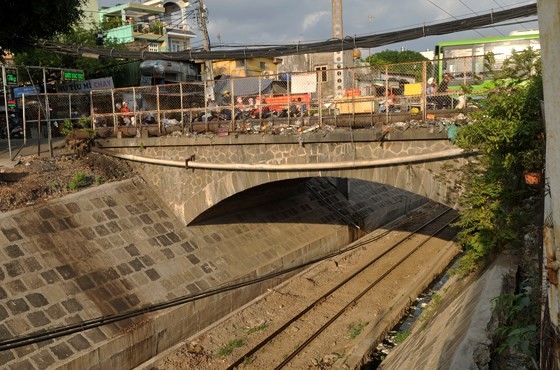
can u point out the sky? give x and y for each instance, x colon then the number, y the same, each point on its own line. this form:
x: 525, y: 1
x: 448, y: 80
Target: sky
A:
x: 257, y: 22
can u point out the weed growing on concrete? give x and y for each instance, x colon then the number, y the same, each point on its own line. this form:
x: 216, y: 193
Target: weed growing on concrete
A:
x: 401, y: 336
x: 429, y: 311
x: 78, y: 181
x: 356, y: 329
x: 257, y: 328
x: 230, y: 346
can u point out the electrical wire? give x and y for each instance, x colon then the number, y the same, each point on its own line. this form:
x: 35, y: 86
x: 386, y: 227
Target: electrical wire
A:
x: 502, y: 7
x: 472, y: 11
x: 52, y: 333
x: 449, y: 14
x: 331, y: 45
x: 521, y: 23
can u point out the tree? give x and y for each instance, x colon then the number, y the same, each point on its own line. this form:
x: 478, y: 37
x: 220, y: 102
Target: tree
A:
x: 394, y: 57
x: 24, y: 21
x: 92, y: 67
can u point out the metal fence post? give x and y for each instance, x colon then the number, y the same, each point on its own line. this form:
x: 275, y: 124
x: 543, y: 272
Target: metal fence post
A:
x: 115, y: 118
x: 70, y: 107
x: 91, y: 110
x: 288, y: 87
x: 231, y: 81
x: 24, y: 121
x: 158, y: 110
x: 353, y: 98
x: 259, y: 97
x: 47, y: 112
x: 423, y: 95
x: 320, y: 89
x: 134, y: 110
x: 4, y: 86
x: 386, y: 94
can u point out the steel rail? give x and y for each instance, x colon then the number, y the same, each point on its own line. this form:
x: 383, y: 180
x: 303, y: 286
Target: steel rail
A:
x: 319, y: 300
x: 353, y: 301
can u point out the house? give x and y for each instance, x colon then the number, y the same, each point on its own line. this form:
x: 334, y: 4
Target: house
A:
x: 330, y: 70
x: 90, y: 20
x: 249, y: 67
x: 149, y: 26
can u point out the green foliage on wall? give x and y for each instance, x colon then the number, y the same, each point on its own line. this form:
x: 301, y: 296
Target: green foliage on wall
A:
x: 509, y: 134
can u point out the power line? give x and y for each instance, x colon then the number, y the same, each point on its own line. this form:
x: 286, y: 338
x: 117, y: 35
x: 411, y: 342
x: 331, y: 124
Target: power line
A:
x: 60, y: 331
x: 449, y: 14
x: 497, y: 3
x: 521, y: 23
x: 331, y: 45
x: 501, y: 7
x: 469, y: 8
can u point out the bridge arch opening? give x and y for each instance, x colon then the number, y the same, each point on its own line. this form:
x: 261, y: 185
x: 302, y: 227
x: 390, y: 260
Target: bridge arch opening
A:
x: 358, y: 204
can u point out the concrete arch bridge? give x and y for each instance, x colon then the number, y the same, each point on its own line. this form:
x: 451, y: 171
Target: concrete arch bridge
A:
x: 193, y: 173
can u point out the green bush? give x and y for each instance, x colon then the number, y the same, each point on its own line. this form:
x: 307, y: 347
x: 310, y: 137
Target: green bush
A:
x: 68, y: 126
x: 509, y: 136
x: 517, y: 331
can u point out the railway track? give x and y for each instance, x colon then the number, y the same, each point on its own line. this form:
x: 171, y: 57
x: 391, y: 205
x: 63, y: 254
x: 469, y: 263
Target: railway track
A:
x: 335, y: 310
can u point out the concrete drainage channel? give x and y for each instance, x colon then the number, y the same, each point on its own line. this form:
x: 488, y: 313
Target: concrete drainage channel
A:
x: 403, y: 328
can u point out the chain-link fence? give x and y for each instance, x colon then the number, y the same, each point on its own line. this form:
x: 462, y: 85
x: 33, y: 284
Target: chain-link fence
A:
x: 51, y: 110
x: 373, y: 94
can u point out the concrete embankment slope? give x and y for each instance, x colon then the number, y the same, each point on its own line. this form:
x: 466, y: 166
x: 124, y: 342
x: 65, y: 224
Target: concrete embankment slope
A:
x: 459, y: 335
x: 116, y: 248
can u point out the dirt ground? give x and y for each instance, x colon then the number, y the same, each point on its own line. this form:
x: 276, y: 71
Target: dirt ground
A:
x: 37, y: 179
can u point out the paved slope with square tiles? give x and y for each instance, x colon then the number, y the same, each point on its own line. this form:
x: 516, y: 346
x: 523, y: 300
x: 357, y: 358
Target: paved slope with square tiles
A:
x: 117, y: 247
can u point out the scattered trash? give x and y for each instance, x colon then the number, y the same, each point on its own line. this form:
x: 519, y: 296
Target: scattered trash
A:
x: 401, y: 125
x: 311, y: 129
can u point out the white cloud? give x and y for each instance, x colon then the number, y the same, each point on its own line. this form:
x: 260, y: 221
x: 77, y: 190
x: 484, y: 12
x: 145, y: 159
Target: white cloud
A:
x: 252, y: 22
x: 311, y: 20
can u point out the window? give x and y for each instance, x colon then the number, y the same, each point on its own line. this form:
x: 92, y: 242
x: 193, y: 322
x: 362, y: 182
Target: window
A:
x: 262, y: 65
x: 152, y: 46
x: 321, y: 73
x: 175, y: 46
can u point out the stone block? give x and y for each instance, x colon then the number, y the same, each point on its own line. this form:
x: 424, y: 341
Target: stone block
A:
x: 55, y: 311
x: 37, y: 299
x: 43, y: 359
x: 38, y: 319
x: 62, y: 351
x: 79, y: 343
x: 14, y: 251
x: 17, y: 306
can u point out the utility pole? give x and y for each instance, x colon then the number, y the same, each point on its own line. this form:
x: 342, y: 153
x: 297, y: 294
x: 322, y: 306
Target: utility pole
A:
x: 338, y: 57
x: 338, y: 75
x: 206, y: 46
x: 337, y: 19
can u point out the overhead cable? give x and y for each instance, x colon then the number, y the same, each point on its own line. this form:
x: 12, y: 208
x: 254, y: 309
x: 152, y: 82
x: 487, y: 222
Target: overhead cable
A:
x: 331, y: 45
